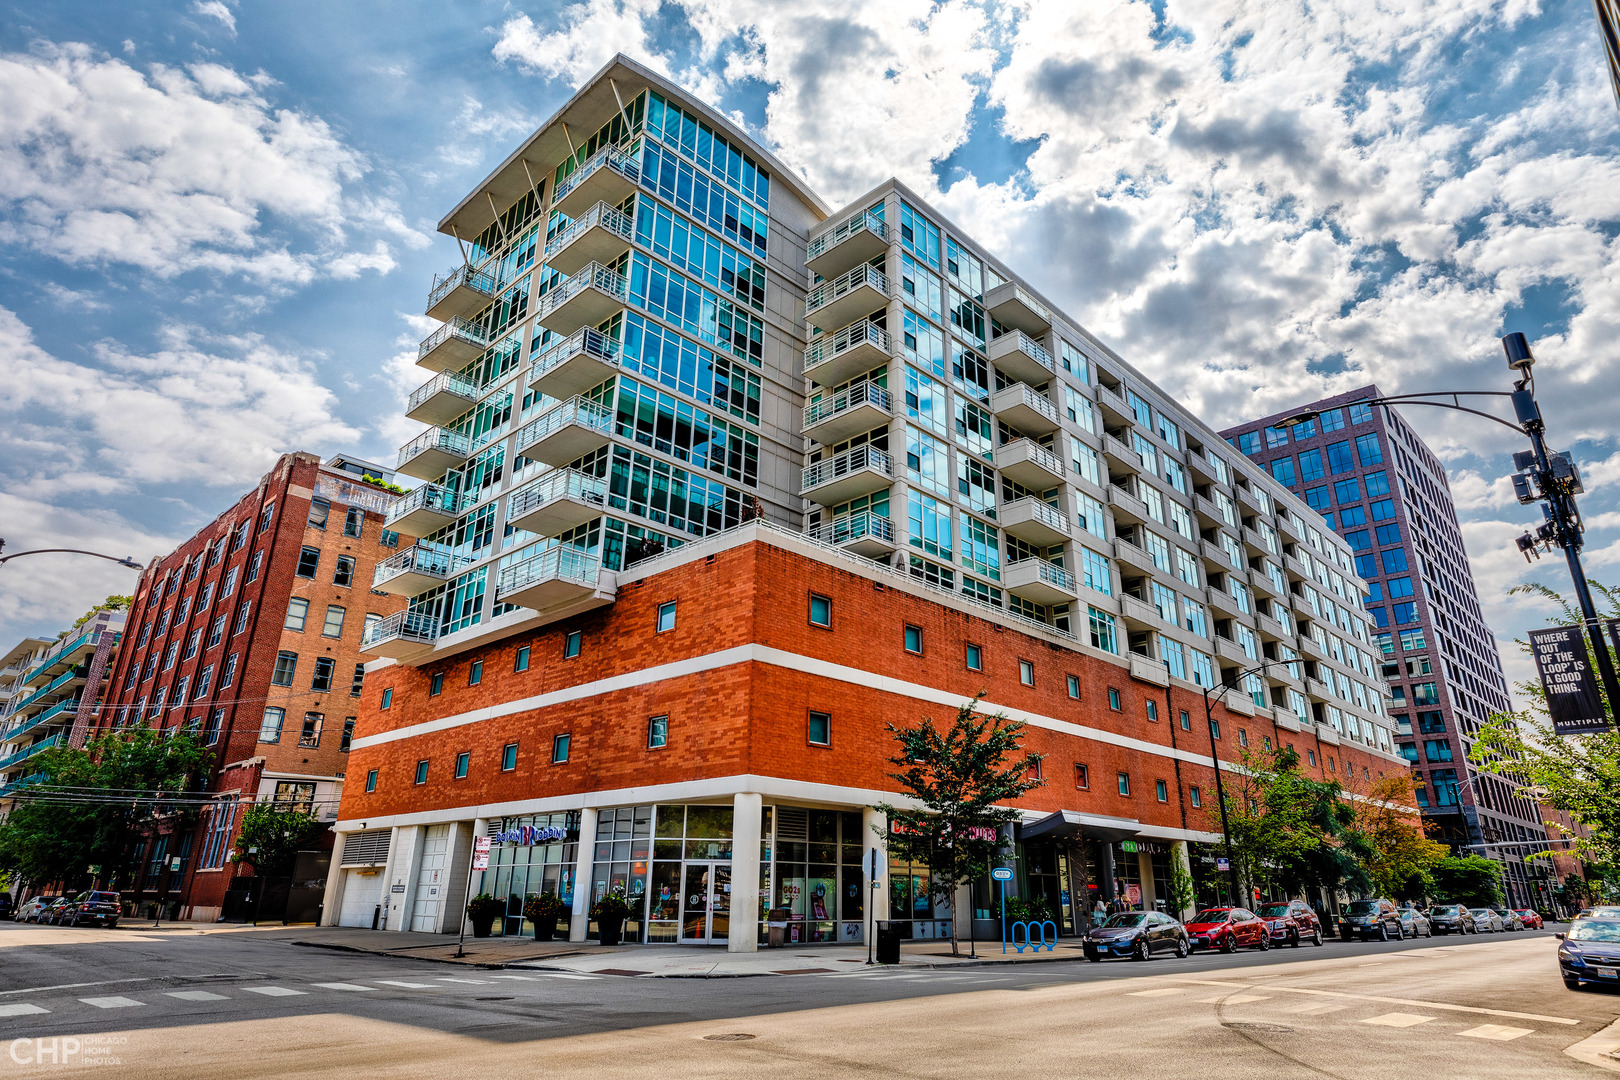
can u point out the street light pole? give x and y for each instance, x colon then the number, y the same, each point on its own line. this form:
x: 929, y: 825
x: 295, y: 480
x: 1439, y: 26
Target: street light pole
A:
x: 1220, y: 788
x: 125, y: 561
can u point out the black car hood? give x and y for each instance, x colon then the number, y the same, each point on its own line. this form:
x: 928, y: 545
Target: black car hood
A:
x: 1112, y: 933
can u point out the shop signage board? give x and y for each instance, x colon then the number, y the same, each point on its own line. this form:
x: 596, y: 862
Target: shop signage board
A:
x: 481, y: 853
x: 1223, y: 864
x: 529, y: 835
x: 1573, y: 700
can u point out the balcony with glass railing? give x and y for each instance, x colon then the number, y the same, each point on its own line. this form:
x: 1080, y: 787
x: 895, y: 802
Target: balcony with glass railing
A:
x: 588, y: 298
x: 417, y: 569
x: 856, y: 472
x: 834, y: 359
x: 836, y: 418
x: 1037, y: 523
x: 1010, y: 304
x: 65, y: 654
x: 580, y: 362
x: 609, y: 175
x: 1020, y: 406
x: 561, y: 500
x: 441, y: 399
x: 557, y: 582
x: 426, y: 509
x: 600, y: 235
x: 432, y: 453
x: 1026, y: 462
x: 859, y: 238
x: 864, y: 533
x: 1040, y: 582
x: 460, y: 293
x: 566, y: 432
x: 452, y: 346
x: 402, y: 636
x: 835, y: 304
x: 1022, y: 358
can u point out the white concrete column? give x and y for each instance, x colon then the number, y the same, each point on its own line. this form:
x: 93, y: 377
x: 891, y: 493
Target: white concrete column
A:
x: 404, y: 856
x: 873, y: 838
x: 746, y: 812
x: 1144, y: 869
x: 458, y: 860
x: 332, y: 901
x: 1180, y: 855
x: 580, y: 920
x: 388, y: 876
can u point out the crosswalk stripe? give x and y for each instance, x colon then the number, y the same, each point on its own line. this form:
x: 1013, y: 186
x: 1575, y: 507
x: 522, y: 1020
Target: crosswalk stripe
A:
x: 1495, y: 1032
x: 1318, y: 1009
x: 342, y: 986
x: 195, y: 995
x: 21, y: 1010
x: 550, y: 975
x: 1396, y: 1019
x: 273, y: 991
x: 1156, y: 993
x: 406, y: 985
x: 110, y: 1002
x: 469, y: 982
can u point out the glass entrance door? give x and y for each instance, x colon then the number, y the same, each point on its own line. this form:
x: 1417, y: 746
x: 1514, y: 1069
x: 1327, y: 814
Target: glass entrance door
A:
x: 706, y: 902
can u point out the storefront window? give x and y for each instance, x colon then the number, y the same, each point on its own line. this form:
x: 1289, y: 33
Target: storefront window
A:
x: 516, y: 870
x: 619, y: 863
x: 689, y: 896
x: 818, y: 874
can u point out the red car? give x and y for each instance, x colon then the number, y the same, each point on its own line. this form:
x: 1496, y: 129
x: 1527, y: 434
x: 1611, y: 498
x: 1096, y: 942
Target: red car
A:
x: 1228, y: 929
x: 1291, y: 922
x: 1530, y: 919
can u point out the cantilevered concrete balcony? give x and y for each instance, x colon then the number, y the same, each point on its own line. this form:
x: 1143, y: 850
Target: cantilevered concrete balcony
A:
x: 1037, y: 523
x: 452, y: 346
x: 1116, y: 411
x: 431, y: 453
x: 1010, y: 304
x: 417, y: 569
x: 558, y: 501
x: 460, y: 293
x: 1039, y: 582
x: 609, y: 175
x: 1026, y: 462
x: 441, y: 399
x: 566, y: 432
x: 834, y: 359
x: 588, y: 298
x: 856, y: 472
x: 1022, y: 358
x: 1121, y: 459
x: 600, y: 235
x: 864, y: 533
x: 835, y: 418
x: 425, y: 510
x: 859, y: 238
x: 403, y: 636
x: 1128, y: 509
x: 1022, y: 407
x: 835, y: 304
x: 559, y: 582
x: 1139, y: 614
x: 580, y: 362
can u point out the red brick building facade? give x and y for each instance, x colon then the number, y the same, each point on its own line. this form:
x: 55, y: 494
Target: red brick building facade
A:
x: 247, y: 635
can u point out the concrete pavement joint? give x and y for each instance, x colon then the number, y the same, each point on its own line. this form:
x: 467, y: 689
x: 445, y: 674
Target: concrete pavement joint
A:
x: 1599, y: 1049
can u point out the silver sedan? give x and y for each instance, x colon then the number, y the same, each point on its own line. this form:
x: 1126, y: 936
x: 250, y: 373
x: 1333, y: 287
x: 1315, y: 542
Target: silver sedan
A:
x: 1488, y: 921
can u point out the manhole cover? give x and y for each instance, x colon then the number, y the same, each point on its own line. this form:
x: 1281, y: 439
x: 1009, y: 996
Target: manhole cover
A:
x: 1268, y: 1029
x: 735, y: 1036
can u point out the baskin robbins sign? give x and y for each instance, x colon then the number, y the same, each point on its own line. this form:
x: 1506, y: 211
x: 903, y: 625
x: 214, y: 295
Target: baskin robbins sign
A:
x: 529, y: 835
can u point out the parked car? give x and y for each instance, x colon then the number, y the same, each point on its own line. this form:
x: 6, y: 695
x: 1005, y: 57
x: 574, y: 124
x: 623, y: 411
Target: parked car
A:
x: 1415, y: 924
x: 33, y: 909
x: 1452, y: 919
x: 1599, y: 912
x: 1590, y: 952
x: 7, y: 908
x: 91, y: 908
x: 1137, y: 934
x: 1228, y: 929
x: 1292, y: 921
x: 1368, y: 919
x: 1510, y: 918
x: 1532, y: 919
x: 1488, y: 921
x: 53, y: 911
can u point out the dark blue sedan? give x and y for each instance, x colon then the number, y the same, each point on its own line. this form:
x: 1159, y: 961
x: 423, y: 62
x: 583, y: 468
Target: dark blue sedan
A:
x: 1590, y: 953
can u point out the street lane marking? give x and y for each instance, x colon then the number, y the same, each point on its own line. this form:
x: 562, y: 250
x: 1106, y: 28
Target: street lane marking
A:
x: 1400, y: 1020
x: 195, y: 995
x: 1234, y: 999
x: 110, y: 1002
x: 21, y: 1010
x: 520, y: 978
x: 1320, y: 1009
x: 1494, y: 1032
x: 1444, y: 1006
x: 406, y: 985
x: 342, y: 986
x: 115, y: 982
x: 469, y: 982
x: 549, y: 975
x: 1156, y: 993
x: 273, y: 991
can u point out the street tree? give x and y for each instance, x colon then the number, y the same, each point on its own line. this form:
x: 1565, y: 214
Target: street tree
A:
x: 962, y: 780
x: 1468, y: 879
x: 1388, y: 839
x: 1286, y: 827
x: 272, y: 835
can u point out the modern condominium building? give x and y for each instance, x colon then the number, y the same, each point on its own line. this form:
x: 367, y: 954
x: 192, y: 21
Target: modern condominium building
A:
x: 731, y: 481
x: 1369, y: 476
x: 50, y: 691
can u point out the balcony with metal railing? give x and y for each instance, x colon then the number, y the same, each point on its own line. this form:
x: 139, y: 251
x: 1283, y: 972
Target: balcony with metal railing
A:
x: 425, y: 509
x: 609, y: 175
x: 1040, y: 582
x: 1021, y: 357
x: 1010, y: 304
x: 441, y: 399
x: 560, y: 500
x: 61, y: 712
x: 416, y: 570
x: 29, y: 751
x: 834, y: 359
x: 452, y: 346
x: 44, y: 696
x: 582, y: 361
x: 864, y: 533
x: 460, y: 293
x: 1020, y: 406
x: 1037, y: 523
x: 835, y: 418
x: 430, y: 454
x: 556, y: 583
x: 402, y: 636
x: 566, y: 432
x: 599, y: 235
x: 1026, y: 462
x: 856, y: 472
x: 835, y: 304
x: 589, y: 297
x: 859, y: 238
x: 65, y: 654
x: 17, y: 785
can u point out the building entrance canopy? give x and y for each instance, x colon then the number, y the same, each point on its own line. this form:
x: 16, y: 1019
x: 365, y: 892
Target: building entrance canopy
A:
x: 1065, y: 824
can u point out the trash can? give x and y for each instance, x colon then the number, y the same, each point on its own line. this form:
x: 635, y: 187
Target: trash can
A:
x: 888, y: 943
x: 776, y: 920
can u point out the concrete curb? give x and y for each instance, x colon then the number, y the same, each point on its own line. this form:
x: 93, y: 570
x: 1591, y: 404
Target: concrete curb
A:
x: 1599, y: 1049
x: 902, y: 966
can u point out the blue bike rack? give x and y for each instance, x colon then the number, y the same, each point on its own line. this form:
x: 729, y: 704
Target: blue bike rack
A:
x: 1035, y: 935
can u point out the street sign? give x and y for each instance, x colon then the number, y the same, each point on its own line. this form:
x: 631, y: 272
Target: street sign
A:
x: 1565, y: 667
x: 1001, y: 873
x: 873, y: 866
x: 174, y: 864
x: 481, y: 853
x: 1223, y: 864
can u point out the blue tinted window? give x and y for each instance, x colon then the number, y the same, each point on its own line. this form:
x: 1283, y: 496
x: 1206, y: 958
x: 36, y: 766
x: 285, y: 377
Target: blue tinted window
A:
x: 1400, y: 586
x: 1383, y: 509
x: 1339, y: 459
x: 1304, y: 431
x: 1360, y: 414
x: 1357, y: 540
x: 1347, y: 491
x: 1375, y: 591
x: 1248, y: 443
x: 1394, y: 561
x: 1377, y: 483
x: 1310, y: 465
x: 1317, y: 498
x: 1380, y: 617
x: 1283, y: 471
x: 1367, y: 446
x: 1332, y: 420
x: 1405, y: 613
x: 1367, y: 565
x: 1275, y: 437
x: 1352, y: 515
x: 1389, y: 534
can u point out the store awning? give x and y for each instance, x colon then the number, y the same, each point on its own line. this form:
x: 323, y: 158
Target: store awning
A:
x: 1072, y: 823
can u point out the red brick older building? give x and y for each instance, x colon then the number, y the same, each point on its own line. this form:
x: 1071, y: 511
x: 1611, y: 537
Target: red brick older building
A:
x: 247, y: 635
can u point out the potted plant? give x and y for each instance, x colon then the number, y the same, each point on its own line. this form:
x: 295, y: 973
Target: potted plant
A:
x: 482, y: 911
x: 543, y: 910
x: 609, y: 914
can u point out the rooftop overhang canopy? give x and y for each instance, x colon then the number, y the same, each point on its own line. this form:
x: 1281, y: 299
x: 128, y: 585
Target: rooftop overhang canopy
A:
x: 1072, y: 824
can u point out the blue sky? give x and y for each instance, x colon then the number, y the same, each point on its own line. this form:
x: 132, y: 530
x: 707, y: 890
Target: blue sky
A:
x: 216, y: 217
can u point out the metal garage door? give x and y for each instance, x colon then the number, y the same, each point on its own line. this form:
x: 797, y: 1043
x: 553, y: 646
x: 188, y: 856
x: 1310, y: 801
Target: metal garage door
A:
x: 431, y: 880
x: 361, y: 894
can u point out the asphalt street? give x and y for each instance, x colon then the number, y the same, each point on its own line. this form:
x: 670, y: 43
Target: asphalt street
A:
x: 177, y: 1004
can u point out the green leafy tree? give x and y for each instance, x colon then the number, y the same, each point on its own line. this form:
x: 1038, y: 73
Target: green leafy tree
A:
x: 95, y: 802
x: 1183, y: 890
x: 1387, y: 838
x: 962, y: 778
x: 1468, y: 879
x: 1287, y: 828
x: 272, y: 835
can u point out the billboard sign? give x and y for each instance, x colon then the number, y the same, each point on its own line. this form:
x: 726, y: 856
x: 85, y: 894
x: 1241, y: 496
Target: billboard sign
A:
x: 1565, y: 667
